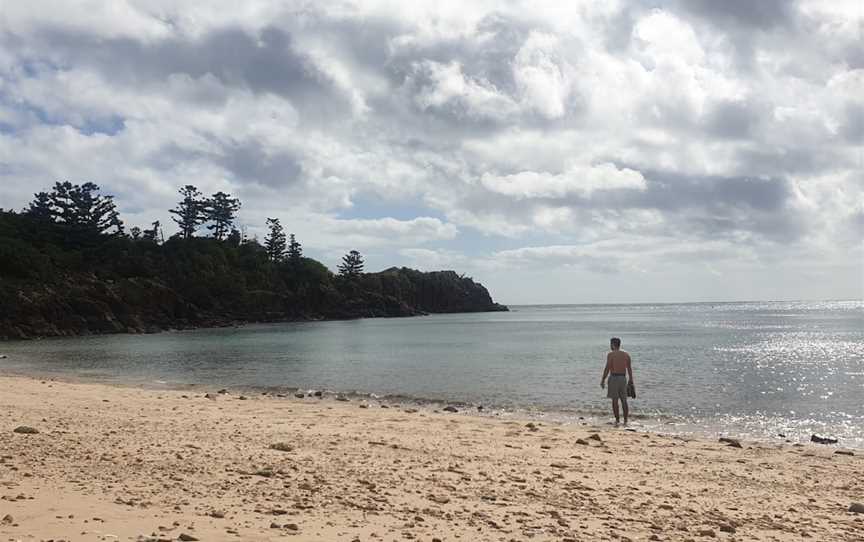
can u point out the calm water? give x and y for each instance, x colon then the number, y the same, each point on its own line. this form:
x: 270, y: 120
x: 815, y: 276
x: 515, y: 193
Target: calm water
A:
x: 751, y: 369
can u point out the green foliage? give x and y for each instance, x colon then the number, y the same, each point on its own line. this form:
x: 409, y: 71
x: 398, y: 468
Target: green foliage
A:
x: 189, y: 211
x: 275, y: 242
x: 64, y: 269
x: 220, y: 210
x: 352, y: 265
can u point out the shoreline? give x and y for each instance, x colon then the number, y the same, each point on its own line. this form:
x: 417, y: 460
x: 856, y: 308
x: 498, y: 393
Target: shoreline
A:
x: 156, y: 464
x: 671, y: 425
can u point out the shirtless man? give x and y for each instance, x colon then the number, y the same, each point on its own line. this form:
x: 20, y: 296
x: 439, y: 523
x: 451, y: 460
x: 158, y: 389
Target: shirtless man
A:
x: 617, y: 369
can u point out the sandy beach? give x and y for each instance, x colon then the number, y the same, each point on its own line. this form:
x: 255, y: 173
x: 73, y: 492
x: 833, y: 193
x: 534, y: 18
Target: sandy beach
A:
x: 115, y: 463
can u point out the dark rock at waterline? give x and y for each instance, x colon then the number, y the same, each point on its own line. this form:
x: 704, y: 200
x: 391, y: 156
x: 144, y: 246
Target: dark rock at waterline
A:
x: 449, y: 408
x: 318, y: 393
x: 731, y: 442
x: 26, y: 430
x: 856, y: 508
x: 822, y: 440
x: 299, y: 395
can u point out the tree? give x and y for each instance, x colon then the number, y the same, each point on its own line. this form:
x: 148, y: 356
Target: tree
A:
x: 40, y: 208
x: 275, y: 240
x: 221, y: 209
x: 352, y: 265
x: 80, y: 207
x: 154, y: 234
x: 295, y: 251
x: 190, y: 211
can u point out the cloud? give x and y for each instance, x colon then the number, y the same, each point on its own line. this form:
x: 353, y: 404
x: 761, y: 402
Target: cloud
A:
x: 487, y: 135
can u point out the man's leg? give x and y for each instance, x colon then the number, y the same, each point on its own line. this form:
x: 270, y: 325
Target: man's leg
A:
x: 626, y: 410
x: 615, y: 410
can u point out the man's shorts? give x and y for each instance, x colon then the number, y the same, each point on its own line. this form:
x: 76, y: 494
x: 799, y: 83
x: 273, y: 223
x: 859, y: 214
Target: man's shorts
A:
x: 617, y: 387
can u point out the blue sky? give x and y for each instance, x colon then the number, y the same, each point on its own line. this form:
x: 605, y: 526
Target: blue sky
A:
x: 558, y: 152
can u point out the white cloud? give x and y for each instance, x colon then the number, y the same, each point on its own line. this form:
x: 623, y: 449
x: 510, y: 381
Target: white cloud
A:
x: 537, y: 131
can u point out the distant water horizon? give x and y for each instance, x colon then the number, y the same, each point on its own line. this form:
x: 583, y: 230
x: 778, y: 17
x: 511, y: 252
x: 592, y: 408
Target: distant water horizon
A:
x: 756, y: 369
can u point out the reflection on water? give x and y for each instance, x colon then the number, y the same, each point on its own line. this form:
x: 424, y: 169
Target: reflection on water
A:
x: 748, y: 368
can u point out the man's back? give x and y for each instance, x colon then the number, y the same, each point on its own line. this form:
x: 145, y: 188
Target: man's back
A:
x: 617, y: 361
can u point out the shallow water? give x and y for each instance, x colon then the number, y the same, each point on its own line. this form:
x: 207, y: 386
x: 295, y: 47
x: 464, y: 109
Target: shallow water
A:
x: 749, y: 369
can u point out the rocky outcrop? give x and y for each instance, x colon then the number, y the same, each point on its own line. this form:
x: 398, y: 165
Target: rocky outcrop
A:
x: 85, y: 305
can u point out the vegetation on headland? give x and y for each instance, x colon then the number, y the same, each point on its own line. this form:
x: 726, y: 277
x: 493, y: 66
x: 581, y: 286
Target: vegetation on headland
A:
x: 68, y: 267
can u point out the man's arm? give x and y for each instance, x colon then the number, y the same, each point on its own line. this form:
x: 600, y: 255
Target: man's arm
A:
x: 629, y: 368
x: 605, y: 373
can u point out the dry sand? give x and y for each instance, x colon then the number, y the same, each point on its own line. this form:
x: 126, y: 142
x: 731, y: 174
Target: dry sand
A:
x: 113, y: 463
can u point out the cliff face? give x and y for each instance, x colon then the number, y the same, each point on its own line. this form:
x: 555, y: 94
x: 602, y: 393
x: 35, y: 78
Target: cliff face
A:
x: 84, y: 304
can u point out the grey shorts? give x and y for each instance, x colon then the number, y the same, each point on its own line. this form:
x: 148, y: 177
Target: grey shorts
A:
x: 616, y: 388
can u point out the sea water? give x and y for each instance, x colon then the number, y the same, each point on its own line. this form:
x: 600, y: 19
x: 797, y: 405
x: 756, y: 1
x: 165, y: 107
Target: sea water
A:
x: 759, y: 370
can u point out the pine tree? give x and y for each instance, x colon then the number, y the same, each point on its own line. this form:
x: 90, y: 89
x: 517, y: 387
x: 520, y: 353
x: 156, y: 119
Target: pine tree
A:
x: 295, y: 250
x: 221, y: 209
x: 81, y: 208
x: 190, y: 211
x: 352, y: 265
x: 275, y: 240
x: 41, y: 207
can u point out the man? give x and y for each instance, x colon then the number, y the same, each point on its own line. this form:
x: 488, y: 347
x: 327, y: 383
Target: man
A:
x: 617, y: 369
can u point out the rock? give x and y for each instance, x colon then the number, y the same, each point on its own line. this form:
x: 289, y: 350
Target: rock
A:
x: 857, y: 508
x: 822, y: 440
x: 731, y: 442
x: 210, y: 396
x: 596, y: 436
x: 342, y: 398
x: 532, y: 427
x: 26, y: 430
x: 3, y: 356
x: 558, y: 466
x: 450, y: 408
x: 264, y: 473
x: 583, y: 442
x: 726, y: 528
x: 363, y: 405
x: 223, y: 391
x: 274, y: 525
x: 843, y: 452
x: 292, y: 526
x: 217, y: 514
x: 707, y: 532
x: 440, y: 499
x: 318, y: 393
x: 653, y: 537
x: 282, y: 447
x: 8, y: 519
x: 299, y: 395
x: 187, y: 538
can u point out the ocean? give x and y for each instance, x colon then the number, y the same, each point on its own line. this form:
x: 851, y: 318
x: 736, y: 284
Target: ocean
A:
x: 772, y: 371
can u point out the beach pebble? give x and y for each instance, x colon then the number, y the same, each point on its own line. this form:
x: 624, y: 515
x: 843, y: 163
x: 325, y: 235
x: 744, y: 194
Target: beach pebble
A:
x: 186, y: 538
x: 843, y: 452
x: 26, y: 430
x: 217, y: 514
x: 822, y: 440
x: 223, y: 391
x: 725, y: 528
x: 8, y: 519
x: 583, y: 442
x: 317, y: 393
x: 449, y: 408
x: 274, y: 525
x: 857, y: 508
x: 707, y: 532
x: 282, y: 447
x: 292, y: 526
x: 242, y: 398
x: 299, y: 395
x: 342, y: 398
x: 596, y: 437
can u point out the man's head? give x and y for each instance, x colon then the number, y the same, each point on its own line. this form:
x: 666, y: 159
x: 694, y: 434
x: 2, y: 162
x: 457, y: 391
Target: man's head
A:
x: 615, y: 342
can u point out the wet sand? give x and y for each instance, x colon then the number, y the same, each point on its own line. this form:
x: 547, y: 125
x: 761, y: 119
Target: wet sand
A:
x: 114, y: 463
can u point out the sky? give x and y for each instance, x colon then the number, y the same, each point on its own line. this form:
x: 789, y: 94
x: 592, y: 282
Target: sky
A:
x: 557, y: 152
